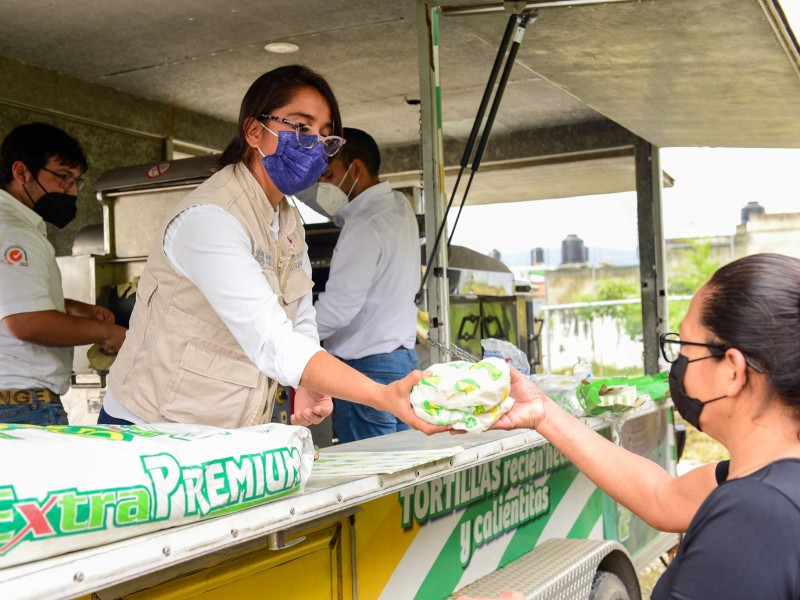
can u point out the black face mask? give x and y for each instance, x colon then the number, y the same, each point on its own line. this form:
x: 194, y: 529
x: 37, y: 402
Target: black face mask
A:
x: 57, y: 208
x: 689, y: 408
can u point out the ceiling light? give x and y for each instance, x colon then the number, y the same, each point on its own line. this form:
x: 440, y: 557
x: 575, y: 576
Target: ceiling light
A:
x: 281, y: 47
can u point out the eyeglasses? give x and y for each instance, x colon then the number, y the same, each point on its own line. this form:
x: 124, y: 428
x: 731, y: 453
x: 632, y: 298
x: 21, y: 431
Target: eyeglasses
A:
x: 66, y: 181
x: 331, y: 144
x: 671, y: 344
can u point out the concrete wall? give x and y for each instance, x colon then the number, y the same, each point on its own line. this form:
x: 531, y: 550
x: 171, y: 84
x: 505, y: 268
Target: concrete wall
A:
x: 114, y: 128
x: 568, y: 282
x: 567, y: 336
x: 762, y: 233
x: 679, y: 250
x: 769, y: 233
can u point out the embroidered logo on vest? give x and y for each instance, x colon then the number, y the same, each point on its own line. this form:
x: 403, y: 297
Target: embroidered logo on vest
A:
x: 297, y: 264
x: 264, y: 259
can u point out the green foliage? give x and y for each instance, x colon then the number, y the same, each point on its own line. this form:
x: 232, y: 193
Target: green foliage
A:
x: 628, y: 315
x: 695, y: 270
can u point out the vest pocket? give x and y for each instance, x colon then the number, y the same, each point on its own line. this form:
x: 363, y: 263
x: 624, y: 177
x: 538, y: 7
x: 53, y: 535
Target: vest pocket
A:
x: 146, y: 287
x: 298, y: 285
x: 210, y: 388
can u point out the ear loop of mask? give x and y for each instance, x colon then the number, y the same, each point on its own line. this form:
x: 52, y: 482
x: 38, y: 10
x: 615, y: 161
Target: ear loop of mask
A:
x: 261, y: 152
x: 352, y: 187
x: 39, y: 183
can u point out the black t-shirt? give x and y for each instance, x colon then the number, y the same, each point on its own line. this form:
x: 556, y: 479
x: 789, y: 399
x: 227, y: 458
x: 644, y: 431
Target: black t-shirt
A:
x: 744, y: 542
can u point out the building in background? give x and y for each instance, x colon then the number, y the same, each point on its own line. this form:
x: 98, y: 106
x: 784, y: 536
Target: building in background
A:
x: 590, y: 306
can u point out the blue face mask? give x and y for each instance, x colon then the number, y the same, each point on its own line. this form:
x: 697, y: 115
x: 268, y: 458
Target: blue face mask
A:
x: 291, y: 167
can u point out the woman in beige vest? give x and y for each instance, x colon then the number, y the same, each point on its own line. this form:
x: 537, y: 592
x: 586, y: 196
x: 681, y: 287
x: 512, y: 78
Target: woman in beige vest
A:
x: 223, y: 310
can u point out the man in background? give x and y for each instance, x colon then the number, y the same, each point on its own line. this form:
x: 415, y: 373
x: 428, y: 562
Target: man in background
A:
x: 367, y: 316
x: 41, y: 170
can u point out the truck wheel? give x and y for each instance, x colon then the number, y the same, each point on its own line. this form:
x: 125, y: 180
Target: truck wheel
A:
x: 607, y: 586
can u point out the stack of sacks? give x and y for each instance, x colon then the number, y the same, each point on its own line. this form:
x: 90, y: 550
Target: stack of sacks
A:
x: 468, y: 396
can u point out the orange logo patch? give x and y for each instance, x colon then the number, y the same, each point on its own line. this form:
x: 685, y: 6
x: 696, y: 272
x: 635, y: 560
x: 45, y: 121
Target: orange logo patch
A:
x: 16, y: 255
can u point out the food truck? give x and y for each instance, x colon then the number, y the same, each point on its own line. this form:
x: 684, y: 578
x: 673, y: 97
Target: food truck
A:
x: 394, y: 517
x: 397, y: 517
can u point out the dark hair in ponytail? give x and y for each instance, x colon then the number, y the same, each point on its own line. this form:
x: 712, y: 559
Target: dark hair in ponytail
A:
x: 272, y: 90
x: 754, y: 305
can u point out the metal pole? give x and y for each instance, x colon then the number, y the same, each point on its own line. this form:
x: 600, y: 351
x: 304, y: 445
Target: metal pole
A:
x: 652, y: 250
x: 438, y: 299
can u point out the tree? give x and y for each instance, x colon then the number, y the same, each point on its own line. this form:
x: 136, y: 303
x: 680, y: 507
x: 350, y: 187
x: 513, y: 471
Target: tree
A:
x: 698, y: 268
x: 629, y: 316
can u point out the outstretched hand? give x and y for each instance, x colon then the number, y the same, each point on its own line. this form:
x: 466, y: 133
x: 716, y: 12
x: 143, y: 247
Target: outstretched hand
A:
x: 529, y: 404
x: 310, y: 407
x: 398, y: 402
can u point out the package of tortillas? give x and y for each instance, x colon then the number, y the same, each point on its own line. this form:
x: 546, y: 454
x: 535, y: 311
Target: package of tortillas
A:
x: 468, y: 396
x: 65, y: 488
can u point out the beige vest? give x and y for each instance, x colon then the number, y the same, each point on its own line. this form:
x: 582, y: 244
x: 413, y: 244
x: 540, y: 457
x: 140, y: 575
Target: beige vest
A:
x: 179, y: 361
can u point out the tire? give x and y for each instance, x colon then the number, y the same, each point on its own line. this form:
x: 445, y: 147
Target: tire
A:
x: 607, y: 586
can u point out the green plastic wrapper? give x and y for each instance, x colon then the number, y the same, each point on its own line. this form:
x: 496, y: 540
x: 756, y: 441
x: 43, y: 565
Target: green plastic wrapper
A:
x: 616, y: 394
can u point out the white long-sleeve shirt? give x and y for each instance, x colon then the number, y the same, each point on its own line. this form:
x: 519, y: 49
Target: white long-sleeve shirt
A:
x: 368, y: 304
x: 206, y: 244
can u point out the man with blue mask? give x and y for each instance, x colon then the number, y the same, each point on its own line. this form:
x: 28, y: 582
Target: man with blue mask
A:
x: 366, y: 316
x: 41, y: 170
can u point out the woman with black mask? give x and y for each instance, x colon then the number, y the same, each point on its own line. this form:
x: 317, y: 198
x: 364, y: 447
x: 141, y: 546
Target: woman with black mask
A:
x: 734, y: 375
x: 223, y: 311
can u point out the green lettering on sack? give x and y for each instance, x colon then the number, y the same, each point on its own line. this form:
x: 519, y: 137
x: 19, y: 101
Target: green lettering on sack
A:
x: 174, y: 490
x: 133, y: 506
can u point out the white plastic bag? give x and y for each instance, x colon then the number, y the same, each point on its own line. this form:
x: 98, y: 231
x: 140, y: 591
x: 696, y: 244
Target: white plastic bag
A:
x: 468, y: 396
x: 492, y: 347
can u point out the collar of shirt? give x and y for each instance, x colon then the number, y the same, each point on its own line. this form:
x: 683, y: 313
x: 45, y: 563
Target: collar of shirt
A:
x: 364, y: 198
x: 275, y: 226
x: 11, y: 204
x: 275, y: 216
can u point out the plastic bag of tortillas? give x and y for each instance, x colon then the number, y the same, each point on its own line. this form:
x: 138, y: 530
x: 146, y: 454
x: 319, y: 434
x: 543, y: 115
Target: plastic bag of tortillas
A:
x: 468, y: 396
x: 64, y: 488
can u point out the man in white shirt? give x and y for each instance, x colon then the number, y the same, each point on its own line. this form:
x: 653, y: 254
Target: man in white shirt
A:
x: 41, y: 170
x: 367, y: 316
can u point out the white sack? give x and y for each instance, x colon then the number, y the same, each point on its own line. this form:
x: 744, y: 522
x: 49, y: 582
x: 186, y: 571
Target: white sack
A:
x: 65, y: 488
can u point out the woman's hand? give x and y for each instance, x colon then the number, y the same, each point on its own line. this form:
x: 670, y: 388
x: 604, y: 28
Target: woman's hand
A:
x: 397, y: 400
x: 529, y: 404
x: 310, y: 407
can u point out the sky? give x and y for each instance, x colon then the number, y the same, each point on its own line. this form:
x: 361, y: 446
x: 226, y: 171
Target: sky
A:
x: 712, y: 185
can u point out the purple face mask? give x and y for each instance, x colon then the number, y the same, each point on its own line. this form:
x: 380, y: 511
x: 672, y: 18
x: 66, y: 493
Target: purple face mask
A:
x: 291, y: 167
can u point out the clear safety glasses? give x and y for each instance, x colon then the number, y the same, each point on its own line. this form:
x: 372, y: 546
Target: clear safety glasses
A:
x: 331, y: 144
